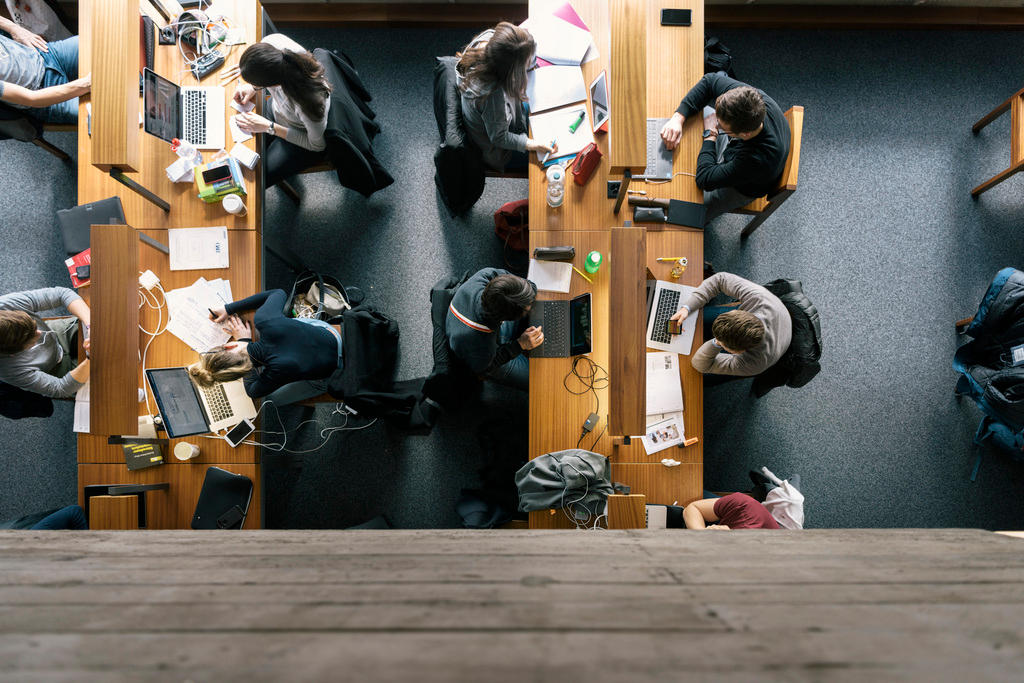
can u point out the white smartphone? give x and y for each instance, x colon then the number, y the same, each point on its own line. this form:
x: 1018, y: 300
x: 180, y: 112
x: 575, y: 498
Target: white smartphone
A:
x: 239, y: 432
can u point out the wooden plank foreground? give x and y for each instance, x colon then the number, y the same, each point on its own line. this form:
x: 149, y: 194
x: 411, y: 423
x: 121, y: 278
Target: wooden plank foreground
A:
x: 512, y: 605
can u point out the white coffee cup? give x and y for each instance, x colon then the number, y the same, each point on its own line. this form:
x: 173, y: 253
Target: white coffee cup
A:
x: 232, y: 203
x: 186, y: 451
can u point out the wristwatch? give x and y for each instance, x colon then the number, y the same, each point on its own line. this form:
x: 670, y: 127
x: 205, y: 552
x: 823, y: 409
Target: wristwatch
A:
x: 709, y: 133
x: 271, y: 129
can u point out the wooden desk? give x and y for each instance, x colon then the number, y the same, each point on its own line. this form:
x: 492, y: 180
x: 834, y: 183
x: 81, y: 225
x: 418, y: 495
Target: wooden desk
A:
x: 674, y: 63
x: 99, y: 462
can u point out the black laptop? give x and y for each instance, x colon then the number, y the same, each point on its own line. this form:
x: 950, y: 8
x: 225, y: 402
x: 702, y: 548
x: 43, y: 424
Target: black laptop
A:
x: 76, y: 221
x: 567, y: 327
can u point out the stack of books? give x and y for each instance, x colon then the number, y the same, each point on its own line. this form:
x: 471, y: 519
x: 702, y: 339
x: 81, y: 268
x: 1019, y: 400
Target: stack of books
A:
x: 218, y: 179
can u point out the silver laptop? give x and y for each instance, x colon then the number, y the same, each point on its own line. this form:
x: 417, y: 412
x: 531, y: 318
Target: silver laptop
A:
x: 659, y: 159
x: 187, y: 408
x: 194, y: 113
x: 663, y: 300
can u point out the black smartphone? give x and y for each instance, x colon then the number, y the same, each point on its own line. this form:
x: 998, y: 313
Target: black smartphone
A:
x: 82, y: 272
x: 675, y: 327
x: 675, y: 17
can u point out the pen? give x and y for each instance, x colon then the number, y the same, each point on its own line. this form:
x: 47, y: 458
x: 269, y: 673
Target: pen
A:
x: 669, y: 258
x: 552, y: 146
x: 212, y: 314
x: 576, y: 124
x: 582, y: 275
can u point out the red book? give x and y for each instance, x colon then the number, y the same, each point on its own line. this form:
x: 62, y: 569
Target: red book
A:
x: 82, y: 259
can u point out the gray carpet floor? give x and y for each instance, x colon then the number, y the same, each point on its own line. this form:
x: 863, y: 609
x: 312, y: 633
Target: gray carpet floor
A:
x: 882, y: 232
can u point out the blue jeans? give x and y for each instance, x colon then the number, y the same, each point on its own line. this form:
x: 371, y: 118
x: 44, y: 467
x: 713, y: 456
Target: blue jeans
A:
x: 61, y: 64
x: 516, y: 372
x: 72, y: 517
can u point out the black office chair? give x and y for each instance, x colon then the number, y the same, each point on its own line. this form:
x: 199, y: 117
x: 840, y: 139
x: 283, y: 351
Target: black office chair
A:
x: 450, y: 382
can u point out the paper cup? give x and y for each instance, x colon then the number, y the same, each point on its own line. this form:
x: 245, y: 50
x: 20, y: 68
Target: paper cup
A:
x: 232, y: 203
x: 186, y: 451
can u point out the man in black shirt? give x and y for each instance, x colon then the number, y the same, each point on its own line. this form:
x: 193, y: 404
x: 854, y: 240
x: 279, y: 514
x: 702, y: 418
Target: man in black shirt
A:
x: 746, y: 141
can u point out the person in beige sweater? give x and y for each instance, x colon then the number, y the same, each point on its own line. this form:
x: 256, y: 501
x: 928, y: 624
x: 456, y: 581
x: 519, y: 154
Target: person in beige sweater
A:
x: 747, y: 339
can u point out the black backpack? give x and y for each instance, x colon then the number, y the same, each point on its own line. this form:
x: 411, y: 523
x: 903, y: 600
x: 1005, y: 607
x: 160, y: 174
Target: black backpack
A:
x: 717, y: 57
x: 799, y: 364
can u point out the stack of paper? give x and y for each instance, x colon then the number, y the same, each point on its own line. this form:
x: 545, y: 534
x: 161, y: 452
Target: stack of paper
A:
x: 555, y: 86
x: 550, y: 276
x: 81, y: 424
x: 189, y: 310
x: 562, y: 37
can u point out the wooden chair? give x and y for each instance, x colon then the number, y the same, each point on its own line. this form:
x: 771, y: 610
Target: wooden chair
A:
x: 761, y: 208
x: 1016, y: 106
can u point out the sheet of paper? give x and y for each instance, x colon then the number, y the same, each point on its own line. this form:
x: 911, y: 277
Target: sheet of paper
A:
x: 558, y: 41
x: 237, y: 134
x: 550, y: 276
x: 181, y: 171
x: 664, y: 390
x: 554, y: 125
x: 189, y: 310
x: 198, y: 248
x: 555, y: 86
x: 664, y: 433
x: 245, y: 156
x: 243, y: 108
x: 82, y: 410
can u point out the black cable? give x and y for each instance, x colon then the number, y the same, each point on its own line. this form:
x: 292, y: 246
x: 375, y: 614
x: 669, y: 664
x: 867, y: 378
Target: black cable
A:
x: 592, y: 377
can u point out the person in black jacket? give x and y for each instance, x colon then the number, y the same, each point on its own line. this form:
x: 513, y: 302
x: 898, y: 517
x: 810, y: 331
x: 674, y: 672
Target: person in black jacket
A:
x: 291, y: 361
x: 484, y: 326
x: 746, y: 141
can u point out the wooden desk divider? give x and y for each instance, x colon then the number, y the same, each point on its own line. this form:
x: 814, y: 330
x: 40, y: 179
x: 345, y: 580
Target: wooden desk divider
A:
x: 115, y: 92
x: 114, y: 512
x: 627, y: 512
x: 627, y: 370
x: 627, y: 77
x: 114, y: 370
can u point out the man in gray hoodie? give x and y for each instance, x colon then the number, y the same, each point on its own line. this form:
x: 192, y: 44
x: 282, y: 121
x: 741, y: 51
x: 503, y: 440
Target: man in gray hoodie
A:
x: 747, y: 339
x: 39, y: 355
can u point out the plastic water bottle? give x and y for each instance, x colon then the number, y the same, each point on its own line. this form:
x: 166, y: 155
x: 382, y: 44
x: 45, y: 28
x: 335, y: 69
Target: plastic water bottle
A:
x: 556, y: 186
x: 186, y: 150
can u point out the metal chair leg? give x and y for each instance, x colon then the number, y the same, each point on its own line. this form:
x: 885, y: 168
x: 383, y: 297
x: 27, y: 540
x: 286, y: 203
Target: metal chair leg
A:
x: 288, y: 190
x: 51, y: 148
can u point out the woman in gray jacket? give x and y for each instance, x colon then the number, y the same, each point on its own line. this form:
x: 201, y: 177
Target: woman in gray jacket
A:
x: 492, y: 74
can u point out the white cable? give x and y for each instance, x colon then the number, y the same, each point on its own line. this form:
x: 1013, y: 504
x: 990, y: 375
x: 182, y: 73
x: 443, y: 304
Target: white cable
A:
x: 669, y: 180
x: 326, y: 433
x: 153, y: 335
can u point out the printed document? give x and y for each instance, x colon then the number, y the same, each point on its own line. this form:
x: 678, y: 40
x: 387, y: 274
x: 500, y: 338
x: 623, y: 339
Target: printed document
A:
x: 82, y: 410
x: 189, y: 309
x: 198, y: 248
x: 663, y: 432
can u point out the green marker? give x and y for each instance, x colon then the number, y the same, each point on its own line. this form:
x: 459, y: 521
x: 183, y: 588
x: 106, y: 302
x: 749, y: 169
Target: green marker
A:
x: 574, y: 126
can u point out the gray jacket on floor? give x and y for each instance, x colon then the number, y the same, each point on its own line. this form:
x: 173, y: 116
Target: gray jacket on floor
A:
x: 29, y: 369
x: 755, y: 299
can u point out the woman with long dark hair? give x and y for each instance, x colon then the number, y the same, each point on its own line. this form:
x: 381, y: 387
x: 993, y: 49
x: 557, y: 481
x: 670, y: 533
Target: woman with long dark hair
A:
x: 300, y: 99
x: 492, y: 74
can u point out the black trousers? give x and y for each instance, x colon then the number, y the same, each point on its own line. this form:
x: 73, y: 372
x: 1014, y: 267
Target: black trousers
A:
x: 283, y: 160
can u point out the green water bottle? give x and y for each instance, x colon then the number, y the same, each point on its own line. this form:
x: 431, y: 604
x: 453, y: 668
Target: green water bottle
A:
x: 593, y: 262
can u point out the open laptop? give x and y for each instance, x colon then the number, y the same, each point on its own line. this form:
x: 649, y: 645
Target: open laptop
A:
x: 194, y: 113
x: 659, y: 158
x: 188, y: 408
x: 663, y: 300
x: 567, y: 327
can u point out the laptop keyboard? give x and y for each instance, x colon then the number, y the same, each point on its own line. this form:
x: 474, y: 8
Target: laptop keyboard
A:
x: 654, y: 150
x: 193, y: 112
x: 217, y: 403
x: 668, y: 304
x: 556, y: 334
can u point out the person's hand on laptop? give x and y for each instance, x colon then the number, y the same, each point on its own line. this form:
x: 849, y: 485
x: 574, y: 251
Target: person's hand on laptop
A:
x: 531, y: 338
x: 672, y: 131
x: 680, y: 315
x: 252, y: 123
x: 244, y: 93
x: 237, y: 328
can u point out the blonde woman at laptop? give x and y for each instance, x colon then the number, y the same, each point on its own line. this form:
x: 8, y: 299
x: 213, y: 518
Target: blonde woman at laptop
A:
x: 292, y: 359
x: 300, y: 99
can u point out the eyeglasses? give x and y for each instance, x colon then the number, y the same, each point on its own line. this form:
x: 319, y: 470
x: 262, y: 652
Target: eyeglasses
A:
x: 533, y: 65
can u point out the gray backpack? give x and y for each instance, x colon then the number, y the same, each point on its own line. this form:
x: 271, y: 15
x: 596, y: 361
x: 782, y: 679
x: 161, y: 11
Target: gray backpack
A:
x: 574, y: 479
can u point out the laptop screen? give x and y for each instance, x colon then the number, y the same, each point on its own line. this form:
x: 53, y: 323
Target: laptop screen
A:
x: 177, y: 402
x: 160, y: 106
x: 580, y: 334
x: 599, y: 100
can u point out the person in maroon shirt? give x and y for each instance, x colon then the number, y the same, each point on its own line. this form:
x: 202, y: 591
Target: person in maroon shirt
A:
x: 734, y: 511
